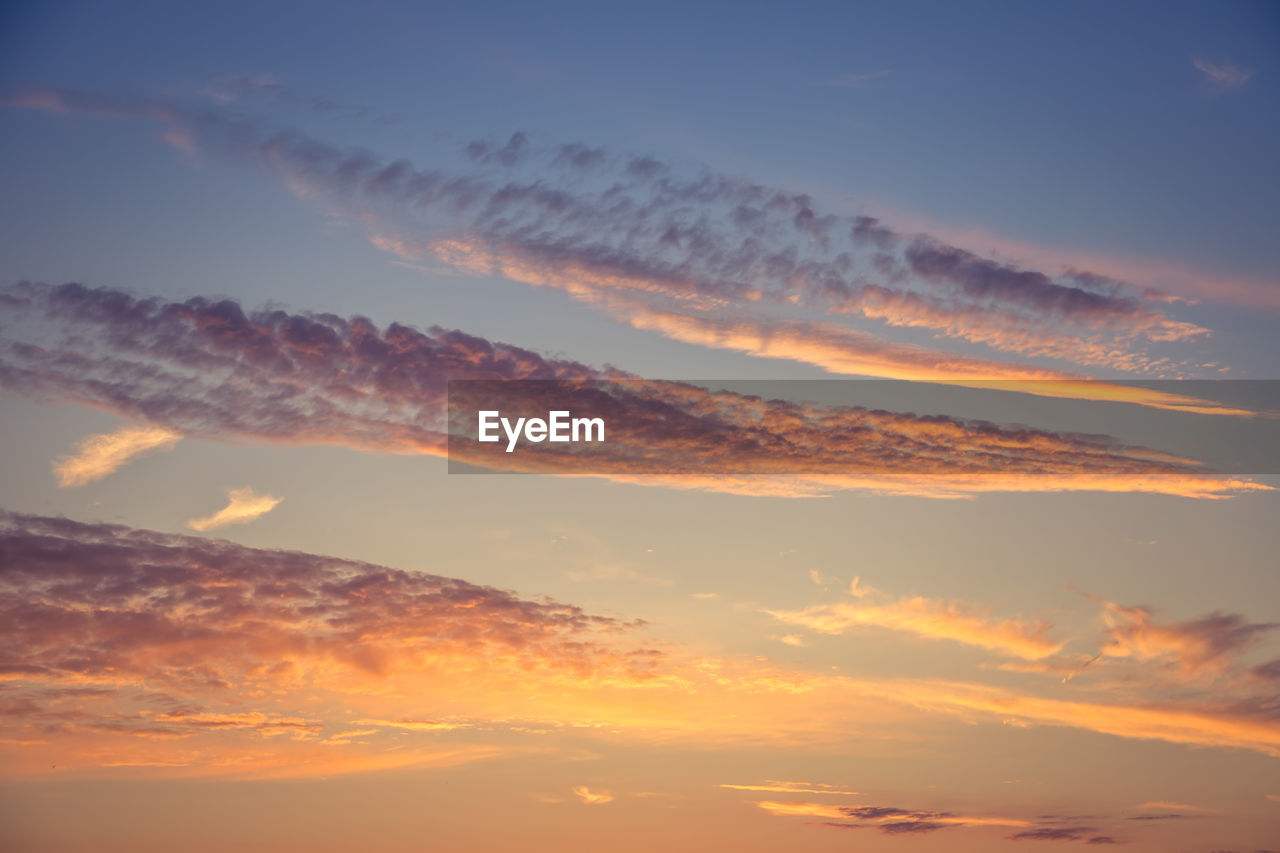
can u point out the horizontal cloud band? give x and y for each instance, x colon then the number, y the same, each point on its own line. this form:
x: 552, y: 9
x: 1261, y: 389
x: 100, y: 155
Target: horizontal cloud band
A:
x: 207, y: 369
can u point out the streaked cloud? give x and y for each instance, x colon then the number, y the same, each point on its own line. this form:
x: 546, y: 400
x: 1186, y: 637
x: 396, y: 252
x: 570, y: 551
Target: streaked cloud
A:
x: 775, y: 786
x: 595, y: 222
x: 1177, y: 807
x: 210, y: 369
x: 1059, y: 833
x: 1243, y: 722
x: 96, y: 456
x: 934, y: 618
x: 889, y: 820
x: 800, y: 809
x: 243, y: 505
x: 1223, y: 75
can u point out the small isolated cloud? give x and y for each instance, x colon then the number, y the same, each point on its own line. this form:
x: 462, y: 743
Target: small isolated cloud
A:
x: 244, y: 506
x: 1223, y: 76
x: 590, y: 797
x: 779, y: 786
x: 793, y: 640
x: 99, y: 455
x: 1058, y: 833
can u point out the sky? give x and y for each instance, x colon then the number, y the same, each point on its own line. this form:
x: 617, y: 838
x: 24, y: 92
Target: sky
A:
x: 870, y: 556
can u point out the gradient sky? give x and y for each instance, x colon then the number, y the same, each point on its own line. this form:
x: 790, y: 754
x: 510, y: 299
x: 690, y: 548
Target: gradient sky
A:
x: 245, y: 604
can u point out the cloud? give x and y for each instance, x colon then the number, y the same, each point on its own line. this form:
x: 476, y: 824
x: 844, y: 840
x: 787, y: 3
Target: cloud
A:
x: 1178, y: 807
x: 1160, y: 281
x: 1223, y: 76
x: 776, y: 786
x: 1205, y: 645
x: 794, y: 809
x: 889, y: 820
x: 594, y: 222
x: 1055, y: 833
x: 130, y: 646
x: 590, y: 797
x: 96, y: 456
x: 210, y: 658
x: 1245, y: 723
x: 244, y: 506
x: 210, y: 369
x: 937, y: 619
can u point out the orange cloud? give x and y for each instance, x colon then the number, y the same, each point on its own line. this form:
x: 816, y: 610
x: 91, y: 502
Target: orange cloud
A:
x: 590, y: 797
x: 794, y: 788
x: 244, y: 505
x: 99, y: 455
x: 933, y: 618
x: 205, y: 657
x: 1205, y: 645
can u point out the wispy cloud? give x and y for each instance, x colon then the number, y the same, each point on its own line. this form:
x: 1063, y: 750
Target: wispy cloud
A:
x: 1170, y: 806
x: 775, y: 786
x: 99, y: 455
x: 938, y: 619
x: 1223, y: 76
x: 596, y: 222
x: 1059, y: 833
x: 244, y: 505
x: 590, y: 797
x: 210, y: 369
x: 889, y: 820
x: 1206, y: 645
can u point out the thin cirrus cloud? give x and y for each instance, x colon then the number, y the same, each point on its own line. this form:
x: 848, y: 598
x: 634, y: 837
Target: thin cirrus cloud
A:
x: 243, y: 505
x: 776, y: 786
x: 890, y: 820
x: 96, y: 456
x: 208, y: 369
x: 936, y: 619
x: 1223, y: 76
x: 592, y: 221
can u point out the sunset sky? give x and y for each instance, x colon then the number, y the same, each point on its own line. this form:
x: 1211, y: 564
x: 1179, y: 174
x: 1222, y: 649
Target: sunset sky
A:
x: 254, y: 596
